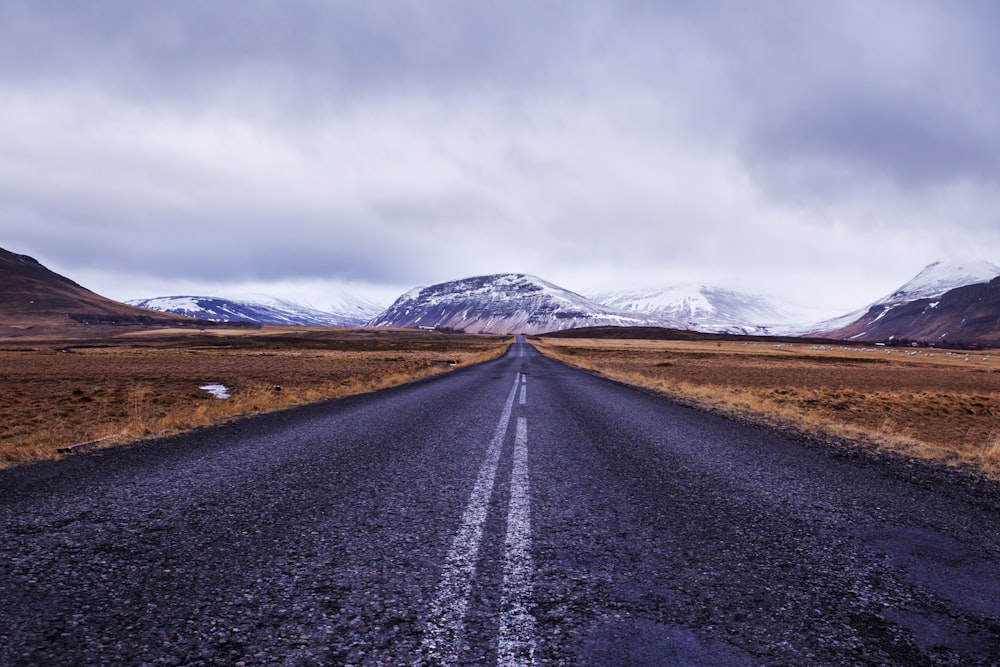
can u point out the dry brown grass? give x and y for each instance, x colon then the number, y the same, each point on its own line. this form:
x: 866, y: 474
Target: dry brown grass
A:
x: 146, y: 383
x: 991, y: 453
x: 929, y: 403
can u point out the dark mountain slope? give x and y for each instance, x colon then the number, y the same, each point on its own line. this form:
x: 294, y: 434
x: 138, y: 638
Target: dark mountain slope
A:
x: 961, y: 316
x: 32, y: 295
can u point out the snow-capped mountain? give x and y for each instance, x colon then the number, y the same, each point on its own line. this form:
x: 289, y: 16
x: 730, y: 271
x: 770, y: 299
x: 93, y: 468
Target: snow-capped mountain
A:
x: 261, y: 310
x: 701, y: 308
x: 944, y: 302
x: 501, y: 304
x: 940, y: 277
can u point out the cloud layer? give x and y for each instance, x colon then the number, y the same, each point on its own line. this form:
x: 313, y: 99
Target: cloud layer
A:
x: 818, y: 152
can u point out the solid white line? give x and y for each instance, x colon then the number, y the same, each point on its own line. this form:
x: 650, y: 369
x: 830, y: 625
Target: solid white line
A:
x: 516, y: 641
x: 445, y: 629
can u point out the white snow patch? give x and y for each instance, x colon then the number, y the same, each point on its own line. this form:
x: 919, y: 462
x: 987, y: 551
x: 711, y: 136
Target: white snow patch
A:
x: 173, y: 303
x: 220, y: 391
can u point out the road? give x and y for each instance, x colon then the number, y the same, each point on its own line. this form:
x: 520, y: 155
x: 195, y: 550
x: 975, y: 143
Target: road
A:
x: 516, y: 512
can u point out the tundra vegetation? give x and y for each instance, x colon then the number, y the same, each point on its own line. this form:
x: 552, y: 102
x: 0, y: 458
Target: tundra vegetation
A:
x: 110, y: 390
x: 927, y: 403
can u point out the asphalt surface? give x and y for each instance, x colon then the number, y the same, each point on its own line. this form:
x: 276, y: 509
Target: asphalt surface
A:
x: 517, y: 512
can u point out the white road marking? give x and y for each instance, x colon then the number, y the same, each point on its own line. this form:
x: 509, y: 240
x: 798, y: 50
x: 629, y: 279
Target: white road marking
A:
x: 516, y: 641
x: 524, y: 388
x: 445, y: 629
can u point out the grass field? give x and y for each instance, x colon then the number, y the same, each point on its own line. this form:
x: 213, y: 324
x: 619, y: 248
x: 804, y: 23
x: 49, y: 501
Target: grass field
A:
x: 923, y: 403
x: 137, y: 382
x: 146, y: 381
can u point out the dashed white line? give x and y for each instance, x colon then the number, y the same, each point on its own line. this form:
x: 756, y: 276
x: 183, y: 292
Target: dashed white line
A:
x: 524, y: 388
x: 443, y: 633
x: 516, y: 641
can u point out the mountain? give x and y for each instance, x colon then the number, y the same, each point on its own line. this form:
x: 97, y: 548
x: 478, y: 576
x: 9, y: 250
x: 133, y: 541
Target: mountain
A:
x: 262, y: 310
x: 946, y: 302
x: 940, y: 277
x: 700, y: 308
x: 32, y: 296
x: 501, y: 304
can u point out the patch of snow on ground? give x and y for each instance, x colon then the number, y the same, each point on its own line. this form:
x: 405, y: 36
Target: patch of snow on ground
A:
x: 220, y: 391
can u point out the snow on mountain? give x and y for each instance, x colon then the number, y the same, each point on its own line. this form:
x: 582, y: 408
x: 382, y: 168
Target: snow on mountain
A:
x: 940, y: 277
x: 341, y: 306
x: 520, y: 303
x: 896, y: 315
x: 352, y: 306
x: 501, y: 304
x: 701, y: 308
x: 260, y: 310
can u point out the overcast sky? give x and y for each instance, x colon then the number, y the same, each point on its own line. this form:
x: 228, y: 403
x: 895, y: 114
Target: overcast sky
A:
x: 818, y: 152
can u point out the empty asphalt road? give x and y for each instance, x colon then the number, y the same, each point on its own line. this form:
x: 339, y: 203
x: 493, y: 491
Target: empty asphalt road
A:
x: 517, y: 512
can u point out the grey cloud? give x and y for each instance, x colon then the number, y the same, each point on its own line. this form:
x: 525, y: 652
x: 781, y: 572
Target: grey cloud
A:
x: 411, y: 141
x: 264, y: 252
x: 323, y: 51
x: 908, y: 147
x: 900, y: 92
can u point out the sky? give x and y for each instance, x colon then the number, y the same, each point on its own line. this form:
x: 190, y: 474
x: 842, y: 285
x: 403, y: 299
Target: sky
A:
x: 821, y: 153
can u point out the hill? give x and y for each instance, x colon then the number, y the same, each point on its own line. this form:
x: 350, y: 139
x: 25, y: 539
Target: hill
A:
x: 945, y: 304
x: 33, y: 296
x: 262, y: 310
x: 500, y: 304
x: 700, y: 307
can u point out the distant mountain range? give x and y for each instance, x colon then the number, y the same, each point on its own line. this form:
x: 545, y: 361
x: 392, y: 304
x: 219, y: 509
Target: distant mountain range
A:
x: 502, y: 303
x: 701, y: 308
x: 946, y: 303
x: 262, y: 310
x: 521, y: 303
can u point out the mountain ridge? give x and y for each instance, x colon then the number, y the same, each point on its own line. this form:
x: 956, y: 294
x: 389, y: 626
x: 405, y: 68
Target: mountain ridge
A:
x: 502, y: 303
x: 700, y: 307
x: 262, y: 310
x: 939, y: 277
x: 491, y: 304
x: 34, y: 296
x: 946, y: 303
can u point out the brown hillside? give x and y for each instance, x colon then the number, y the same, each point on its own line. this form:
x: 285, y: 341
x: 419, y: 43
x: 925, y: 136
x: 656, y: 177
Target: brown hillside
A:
x: 33, y: 296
